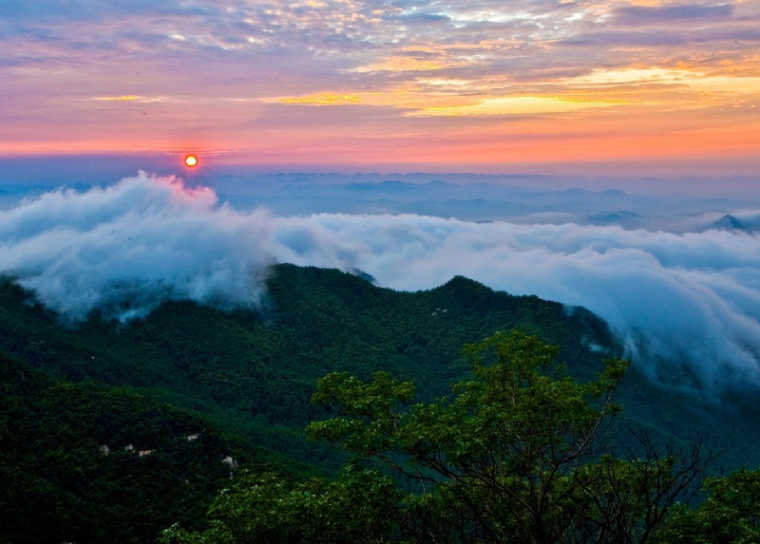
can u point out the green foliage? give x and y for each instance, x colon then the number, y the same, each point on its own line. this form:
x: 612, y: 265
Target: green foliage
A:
x: 499, y: 455
x: 508, y: 456
x: 729, y: 515
x: 359, y: 507
x: 251, y: 372
x: 631, y: 499
x: 89, y: 463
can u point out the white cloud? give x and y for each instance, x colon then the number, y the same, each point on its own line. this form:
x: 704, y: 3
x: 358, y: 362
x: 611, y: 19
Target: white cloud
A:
x: 692, y: 299
x: 127, y: 247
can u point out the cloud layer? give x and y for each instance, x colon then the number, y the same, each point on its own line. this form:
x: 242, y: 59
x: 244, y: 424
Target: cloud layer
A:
x: 686, y: 305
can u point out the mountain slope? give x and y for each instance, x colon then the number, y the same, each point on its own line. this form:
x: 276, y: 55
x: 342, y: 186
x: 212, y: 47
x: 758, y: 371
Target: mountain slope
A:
x: 252, y: 373
x: 67, y: 391
x: 91, y: 463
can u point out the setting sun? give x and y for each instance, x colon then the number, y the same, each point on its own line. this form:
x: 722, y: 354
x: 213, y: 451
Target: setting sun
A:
x: 191, y: 160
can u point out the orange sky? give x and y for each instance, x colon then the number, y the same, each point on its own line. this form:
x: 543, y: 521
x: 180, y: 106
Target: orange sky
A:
x: 529, y: 85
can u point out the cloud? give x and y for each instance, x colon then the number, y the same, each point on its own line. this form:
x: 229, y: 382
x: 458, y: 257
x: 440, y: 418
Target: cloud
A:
x: 513, y: 105
x: 620, y: 38
x: 687, y: 306
x: 128, y: 247
x: 645, y: 15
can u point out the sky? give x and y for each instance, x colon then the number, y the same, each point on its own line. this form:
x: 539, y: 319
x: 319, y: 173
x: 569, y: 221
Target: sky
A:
x: 642, y: 87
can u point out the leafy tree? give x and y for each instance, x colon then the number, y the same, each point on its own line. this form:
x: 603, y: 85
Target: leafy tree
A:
x: 359, y: 507
x: 511, y: 455
x: 520, y: 453
x: 729, y: 514
x: 631, y: 499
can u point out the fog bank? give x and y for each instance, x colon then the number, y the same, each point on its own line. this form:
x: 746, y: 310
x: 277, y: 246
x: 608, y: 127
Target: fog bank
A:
x: 689, y: 299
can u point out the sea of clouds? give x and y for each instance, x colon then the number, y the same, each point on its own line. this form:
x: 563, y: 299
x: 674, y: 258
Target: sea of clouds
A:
x: 686, y: 305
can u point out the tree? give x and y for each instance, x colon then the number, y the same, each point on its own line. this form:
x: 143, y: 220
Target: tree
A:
x: 633, y: 498
x: 511, y: 455
x: 519, y: 453
x: 729, y: 515
x: 359, y: 507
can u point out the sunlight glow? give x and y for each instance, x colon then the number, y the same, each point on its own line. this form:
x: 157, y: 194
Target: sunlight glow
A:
x: 400, y: 64
x: 514, y: 105
x: 324, y: 99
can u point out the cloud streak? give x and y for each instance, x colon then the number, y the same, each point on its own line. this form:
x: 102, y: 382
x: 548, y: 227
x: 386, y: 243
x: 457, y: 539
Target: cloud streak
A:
x: 687, y: 306
x: 638, y: 15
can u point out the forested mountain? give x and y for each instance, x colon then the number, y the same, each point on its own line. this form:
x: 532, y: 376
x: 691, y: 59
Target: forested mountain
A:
x: 254, y: 370
x: 77, y: 396
x: 85, y: 462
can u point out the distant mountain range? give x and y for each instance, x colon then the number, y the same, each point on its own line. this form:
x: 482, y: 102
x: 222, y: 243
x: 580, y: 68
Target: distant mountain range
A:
x: 745, y: 222
x: 103, y: 421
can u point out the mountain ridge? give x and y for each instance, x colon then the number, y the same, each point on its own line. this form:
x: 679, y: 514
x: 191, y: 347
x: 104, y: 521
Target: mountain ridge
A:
x: 249, y: 374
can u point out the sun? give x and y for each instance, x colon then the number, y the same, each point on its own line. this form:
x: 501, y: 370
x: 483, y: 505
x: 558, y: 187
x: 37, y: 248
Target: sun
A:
x: 191, y: 161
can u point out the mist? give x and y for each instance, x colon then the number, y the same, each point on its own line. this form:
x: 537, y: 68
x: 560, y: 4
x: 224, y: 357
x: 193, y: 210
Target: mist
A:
x: 126, y: 248
x: 686, y: 305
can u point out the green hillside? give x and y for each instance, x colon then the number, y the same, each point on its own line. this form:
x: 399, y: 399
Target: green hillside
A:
x: 248, y: 376
x: 254, y: 372
x: 92, y: 463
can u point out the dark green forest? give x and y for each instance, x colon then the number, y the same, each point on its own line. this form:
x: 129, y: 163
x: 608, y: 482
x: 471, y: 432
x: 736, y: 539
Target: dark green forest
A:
x: 114, y: 432
x: 520, y: 453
